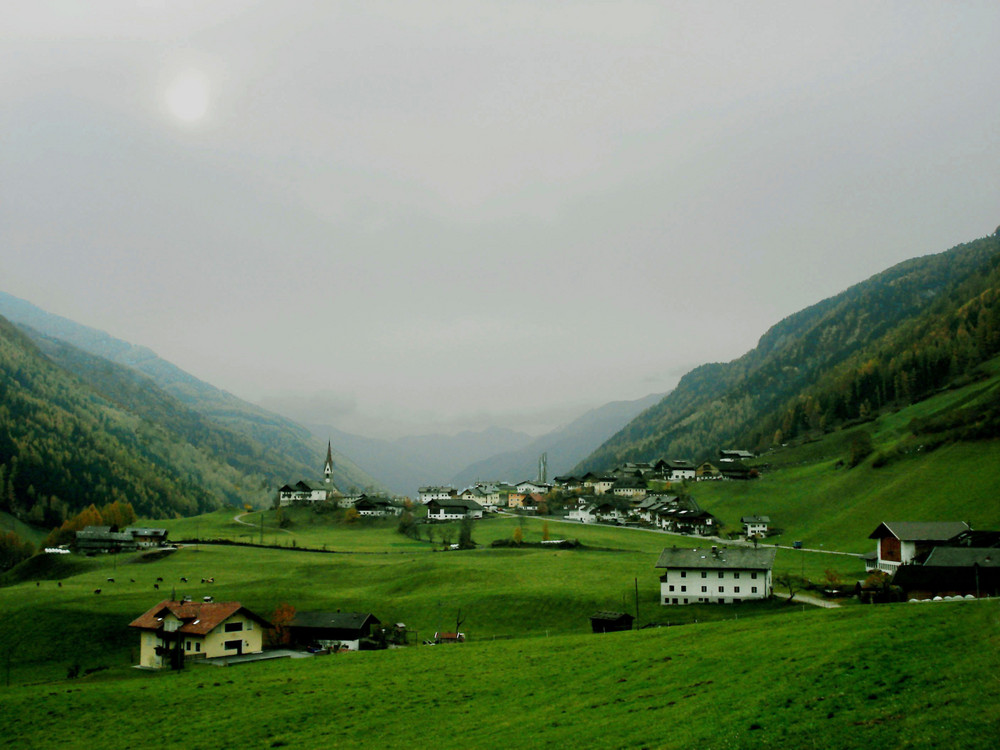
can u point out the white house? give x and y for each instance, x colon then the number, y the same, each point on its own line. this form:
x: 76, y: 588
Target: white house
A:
x: 378, y: 507
x: 526, y: 488
x: 679, y: 470
x: 717, y: 575
x: 453, y: 509
x: 489, y: 499
x: 435, y: 493
x: 755, y: 525
x: 903, y: 542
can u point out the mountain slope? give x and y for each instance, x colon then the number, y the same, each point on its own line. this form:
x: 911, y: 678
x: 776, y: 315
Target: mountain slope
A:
x: 64, y: 446
x: 720, y: 405
x: 285, y: 450
x: 564, y: 446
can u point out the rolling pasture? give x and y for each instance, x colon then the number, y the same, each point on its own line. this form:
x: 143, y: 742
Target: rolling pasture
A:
x: 915, y: 676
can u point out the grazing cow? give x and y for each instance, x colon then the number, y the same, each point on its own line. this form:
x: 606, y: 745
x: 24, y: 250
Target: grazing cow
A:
x: 131, y: 580
x: 156, y: 586
x: 184, y: 580
x: 159, y: 580
x: 211, y: 580
x: 60, y: 584
x: 111, y: 580
x: 97, y: 591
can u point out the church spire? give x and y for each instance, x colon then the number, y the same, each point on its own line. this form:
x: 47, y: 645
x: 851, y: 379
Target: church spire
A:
x: 328, y: 467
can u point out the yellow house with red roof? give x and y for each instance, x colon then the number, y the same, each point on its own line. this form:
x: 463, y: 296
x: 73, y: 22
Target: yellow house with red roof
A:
x: 173, y: 631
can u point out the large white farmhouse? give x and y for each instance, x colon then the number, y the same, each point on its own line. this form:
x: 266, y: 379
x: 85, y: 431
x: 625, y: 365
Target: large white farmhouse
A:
x: 720, y: 575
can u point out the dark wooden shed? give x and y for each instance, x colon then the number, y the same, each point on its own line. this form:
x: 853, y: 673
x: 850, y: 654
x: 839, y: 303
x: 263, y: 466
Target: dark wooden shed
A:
x: 610, y: 622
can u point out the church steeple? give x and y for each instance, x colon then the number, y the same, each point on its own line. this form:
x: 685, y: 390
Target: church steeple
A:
x: 328, y: 467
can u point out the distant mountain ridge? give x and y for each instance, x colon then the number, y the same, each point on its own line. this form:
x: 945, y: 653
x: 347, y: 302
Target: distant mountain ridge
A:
x: 889, y: 339
x: 563, y: 446
x: 407, y: 463
x: 286, y: 451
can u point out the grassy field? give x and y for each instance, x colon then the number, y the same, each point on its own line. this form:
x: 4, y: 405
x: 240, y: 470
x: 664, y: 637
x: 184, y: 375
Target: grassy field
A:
x: 502, y: 593
x: 810, y: 493
x: 914, y: 676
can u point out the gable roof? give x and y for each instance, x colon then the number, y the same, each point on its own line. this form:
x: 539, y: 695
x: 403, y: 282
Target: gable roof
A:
x: 339, y: 620
x: 724, y: 558
x: 456, y: 502
x: 198, y: 618
x: 916, y: 531
x: 755, y: 519
x: 962, y: 557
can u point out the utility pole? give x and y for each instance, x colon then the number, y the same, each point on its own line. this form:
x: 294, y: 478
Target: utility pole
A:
x: 636, y: 603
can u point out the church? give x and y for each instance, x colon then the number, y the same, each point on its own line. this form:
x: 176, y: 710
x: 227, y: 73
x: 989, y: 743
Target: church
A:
x: 307, y: 491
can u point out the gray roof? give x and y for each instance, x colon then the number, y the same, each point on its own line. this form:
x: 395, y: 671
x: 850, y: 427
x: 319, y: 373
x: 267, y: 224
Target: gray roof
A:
x: 963, y: 557
x: 456, y: 502
x: 915, y: 531
x: 608, y: 615
x: 755, y: 519
x: 142, y: 531
x: 344, y: 620
x: 726, y: 558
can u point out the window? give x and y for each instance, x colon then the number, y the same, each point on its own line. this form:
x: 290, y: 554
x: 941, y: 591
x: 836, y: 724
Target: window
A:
x: 684, y: 574
x: 232, y: 645
x: 722, y: 589
x: 736, y: 589
x: 671, y: 587
x: 683, y: 589
x: 754, y: 576
x: 704, y: 589
x: 187, y: 645
x: 704, y: 574
x: 234, y: 627
x: 721, y: 574
x: 250, y: 624
x: 197, y: 646
x: 736, y: 575
x: 753, y: 589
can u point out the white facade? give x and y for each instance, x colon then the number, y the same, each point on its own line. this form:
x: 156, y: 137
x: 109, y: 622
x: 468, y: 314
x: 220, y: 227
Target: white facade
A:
x: 435, y: 493
x: 694, y: 586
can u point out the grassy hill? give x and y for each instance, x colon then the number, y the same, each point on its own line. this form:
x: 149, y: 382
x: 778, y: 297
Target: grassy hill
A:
x: 917, y: 676
x: 809, y: 489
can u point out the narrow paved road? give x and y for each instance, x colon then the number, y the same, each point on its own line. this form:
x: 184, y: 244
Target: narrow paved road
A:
x: 733, y: 542
x: 239, y: 519
x: 807, y: 599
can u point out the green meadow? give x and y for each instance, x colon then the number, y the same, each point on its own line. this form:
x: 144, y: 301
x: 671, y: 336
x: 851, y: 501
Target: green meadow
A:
x: 913, y: 676
x: 809, y: 491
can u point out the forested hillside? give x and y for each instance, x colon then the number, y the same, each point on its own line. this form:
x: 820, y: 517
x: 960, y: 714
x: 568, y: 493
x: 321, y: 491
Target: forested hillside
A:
x: 886, y: 342
x: 281, y: 449
x: 76, y: 429
x: 63, y: 446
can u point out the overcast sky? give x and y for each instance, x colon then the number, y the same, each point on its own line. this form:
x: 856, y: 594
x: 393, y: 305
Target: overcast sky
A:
x: 415, y: 217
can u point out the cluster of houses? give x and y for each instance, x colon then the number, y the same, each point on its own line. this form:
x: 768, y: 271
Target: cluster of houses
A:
x: 937, y: 559
x: 631, y: 493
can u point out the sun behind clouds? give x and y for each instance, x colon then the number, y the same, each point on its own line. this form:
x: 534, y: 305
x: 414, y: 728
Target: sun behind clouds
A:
x: 187, y: 96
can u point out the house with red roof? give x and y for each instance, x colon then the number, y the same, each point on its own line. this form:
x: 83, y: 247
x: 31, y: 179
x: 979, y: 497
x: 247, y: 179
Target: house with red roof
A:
x: 173, y: 631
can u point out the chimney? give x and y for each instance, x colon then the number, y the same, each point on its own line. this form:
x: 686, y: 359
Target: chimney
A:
x: 715, y: 550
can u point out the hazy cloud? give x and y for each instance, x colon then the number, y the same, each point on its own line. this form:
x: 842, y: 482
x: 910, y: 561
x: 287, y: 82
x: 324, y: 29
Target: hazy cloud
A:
x: 469, y: 212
